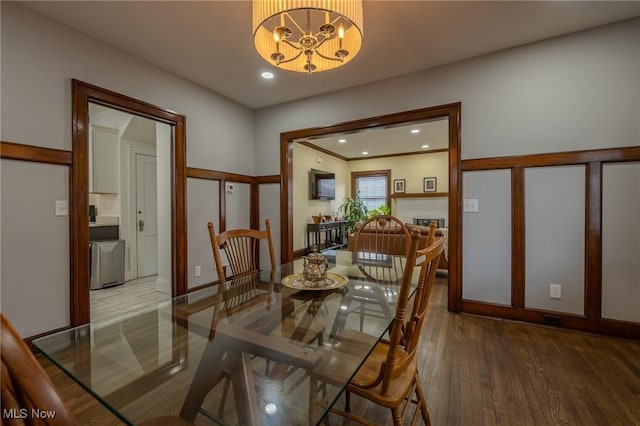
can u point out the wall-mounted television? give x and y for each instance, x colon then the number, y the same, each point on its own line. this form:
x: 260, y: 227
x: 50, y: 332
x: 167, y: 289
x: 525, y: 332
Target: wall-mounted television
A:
x: 322, y: 185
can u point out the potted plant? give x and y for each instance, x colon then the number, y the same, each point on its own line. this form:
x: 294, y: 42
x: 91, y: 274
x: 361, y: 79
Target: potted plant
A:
x: 382, y: 210
x: 353, y: 211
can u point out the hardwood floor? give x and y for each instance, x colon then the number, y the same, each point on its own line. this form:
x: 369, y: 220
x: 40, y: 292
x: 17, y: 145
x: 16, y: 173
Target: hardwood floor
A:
x: 481, y: 371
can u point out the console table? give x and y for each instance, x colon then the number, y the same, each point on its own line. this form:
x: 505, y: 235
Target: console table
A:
x: 333, y: 233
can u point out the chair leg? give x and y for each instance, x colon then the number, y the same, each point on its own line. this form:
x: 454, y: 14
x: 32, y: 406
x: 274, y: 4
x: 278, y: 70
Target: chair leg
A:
x: 422, y: 402
x: 396, y: 414
x: 347, y: 401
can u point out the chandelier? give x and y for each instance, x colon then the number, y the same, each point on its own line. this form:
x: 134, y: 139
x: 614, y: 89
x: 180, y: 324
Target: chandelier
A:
x: 307, y: 35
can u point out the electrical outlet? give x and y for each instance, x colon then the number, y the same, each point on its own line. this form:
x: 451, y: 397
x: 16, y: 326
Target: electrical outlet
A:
x: 62, y: 208
x: 198, y: 271
x: 555, y: 291
x: 470, y: 204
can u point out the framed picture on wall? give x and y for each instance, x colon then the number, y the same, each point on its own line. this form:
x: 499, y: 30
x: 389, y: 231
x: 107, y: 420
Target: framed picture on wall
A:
x: 429, y: 184
x: 398, y: 186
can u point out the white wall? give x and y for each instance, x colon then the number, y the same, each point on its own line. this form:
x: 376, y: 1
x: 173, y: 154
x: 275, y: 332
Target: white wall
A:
x: 621, y: 241
x: 268, y: 210
x: 487, y: 272
x: 413, y: 169
x: 303, y: 208
x: 35, y: 256
x: 39, y: 59
x: 407, y: 209
x: 203, y: 206
x: 163, y: 150
x: 579, y: 91
x: 554, y: 235
x: 575, y: 92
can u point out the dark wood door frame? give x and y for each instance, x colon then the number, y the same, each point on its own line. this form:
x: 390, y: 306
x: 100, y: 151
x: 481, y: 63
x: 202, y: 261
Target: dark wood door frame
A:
x: 450, y: 111
x: 81, y: 94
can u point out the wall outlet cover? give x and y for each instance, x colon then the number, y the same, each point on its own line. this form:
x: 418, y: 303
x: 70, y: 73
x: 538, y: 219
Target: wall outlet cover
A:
x: 471, y: 205
x: 62, y: 208
x: 555, y: 291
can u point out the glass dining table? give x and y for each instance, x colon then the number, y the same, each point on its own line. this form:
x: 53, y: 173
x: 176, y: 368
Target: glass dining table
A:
x: 238, y: 352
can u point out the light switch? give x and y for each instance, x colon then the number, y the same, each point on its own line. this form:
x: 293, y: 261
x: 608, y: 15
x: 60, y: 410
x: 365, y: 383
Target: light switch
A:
x: 62, y: 208
x: 555, y: 291
x: 470, y: 204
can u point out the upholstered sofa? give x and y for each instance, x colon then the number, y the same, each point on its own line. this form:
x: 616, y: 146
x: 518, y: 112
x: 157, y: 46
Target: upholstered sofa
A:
x: 397, y: 245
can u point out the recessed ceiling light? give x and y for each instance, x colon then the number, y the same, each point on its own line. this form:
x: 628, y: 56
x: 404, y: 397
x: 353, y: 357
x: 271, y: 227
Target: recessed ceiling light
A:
x: 415, y: 131
x: 342, y: 140
x: 425, y: 146
x: 365, y: 152
x: 267, y: 75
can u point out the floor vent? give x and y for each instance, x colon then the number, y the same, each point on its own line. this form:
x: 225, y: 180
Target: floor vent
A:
x: 549, y: 320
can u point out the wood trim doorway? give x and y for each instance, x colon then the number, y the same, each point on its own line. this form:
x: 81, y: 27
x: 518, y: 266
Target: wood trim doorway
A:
x: 450, y: 111
x: 81, y: 94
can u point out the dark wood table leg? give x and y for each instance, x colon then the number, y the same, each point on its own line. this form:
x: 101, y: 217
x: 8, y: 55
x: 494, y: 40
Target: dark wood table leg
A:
x: 208, y: 374
x: 244, y: 389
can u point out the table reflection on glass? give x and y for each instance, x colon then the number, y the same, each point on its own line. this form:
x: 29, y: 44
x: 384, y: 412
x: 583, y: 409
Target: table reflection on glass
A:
x: 232, y: 353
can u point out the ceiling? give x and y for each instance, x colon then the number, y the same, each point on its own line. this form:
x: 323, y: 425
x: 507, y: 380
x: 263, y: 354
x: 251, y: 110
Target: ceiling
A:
x: 210, y: 43
x: 420, y: 137
x: 130, y: 127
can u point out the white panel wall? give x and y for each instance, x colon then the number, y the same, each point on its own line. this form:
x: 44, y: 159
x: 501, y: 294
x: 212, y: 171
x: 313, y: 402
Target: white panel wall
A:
x: 486, y: 275
x: 574, y: 92
x: 39, y: 59
x: 35, y: 247
x: 554, y: 220
x: 621, y: 241
x: 203, y: 206
x: 239, y: 207
x: 269, y: 192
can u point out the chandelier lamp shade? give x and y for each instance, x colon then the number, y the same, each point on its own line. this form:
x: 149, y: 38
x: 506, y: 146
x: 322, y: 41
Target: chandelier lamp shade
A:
x: 307, y: 35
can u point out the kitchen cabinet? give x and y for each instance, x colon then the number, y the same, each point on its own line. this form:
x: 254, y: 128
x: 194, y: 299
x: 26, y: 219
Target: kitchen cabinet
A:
x: 103, y: 164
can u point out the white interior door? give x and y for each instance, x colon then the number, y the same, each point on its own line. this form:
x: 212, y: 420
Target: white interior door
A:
x: 147, y: 215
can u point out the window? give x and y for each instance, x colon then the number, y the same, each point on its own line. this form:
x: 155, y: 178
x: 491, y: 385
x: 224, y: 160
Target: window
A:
x: 373, y: 187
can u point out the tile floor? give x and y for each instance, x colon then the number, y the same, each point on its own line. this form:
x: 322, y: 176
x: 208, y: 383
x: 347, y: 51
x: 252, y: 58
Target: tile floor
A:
x: 132, y: 295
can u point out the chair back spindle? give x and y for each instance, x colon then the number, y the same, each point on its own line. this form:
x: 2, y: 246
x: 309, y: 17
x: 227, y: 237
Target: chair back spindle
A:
x: 381, y: 235
x: 241, y: 249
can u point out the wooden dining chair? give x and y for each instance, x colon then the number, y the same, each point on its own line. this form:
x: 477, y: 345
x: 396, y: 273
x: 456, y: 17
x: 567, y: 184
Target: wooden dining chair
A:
x: 375, y: 241
x: 241, y: 249
x: 389, y: 376
x: 379, y: 234
x: 26, y: 386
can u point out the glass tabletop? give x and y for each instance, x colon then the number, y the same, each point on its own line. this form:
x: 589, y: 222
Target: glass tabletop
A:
x: 239, y: 352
